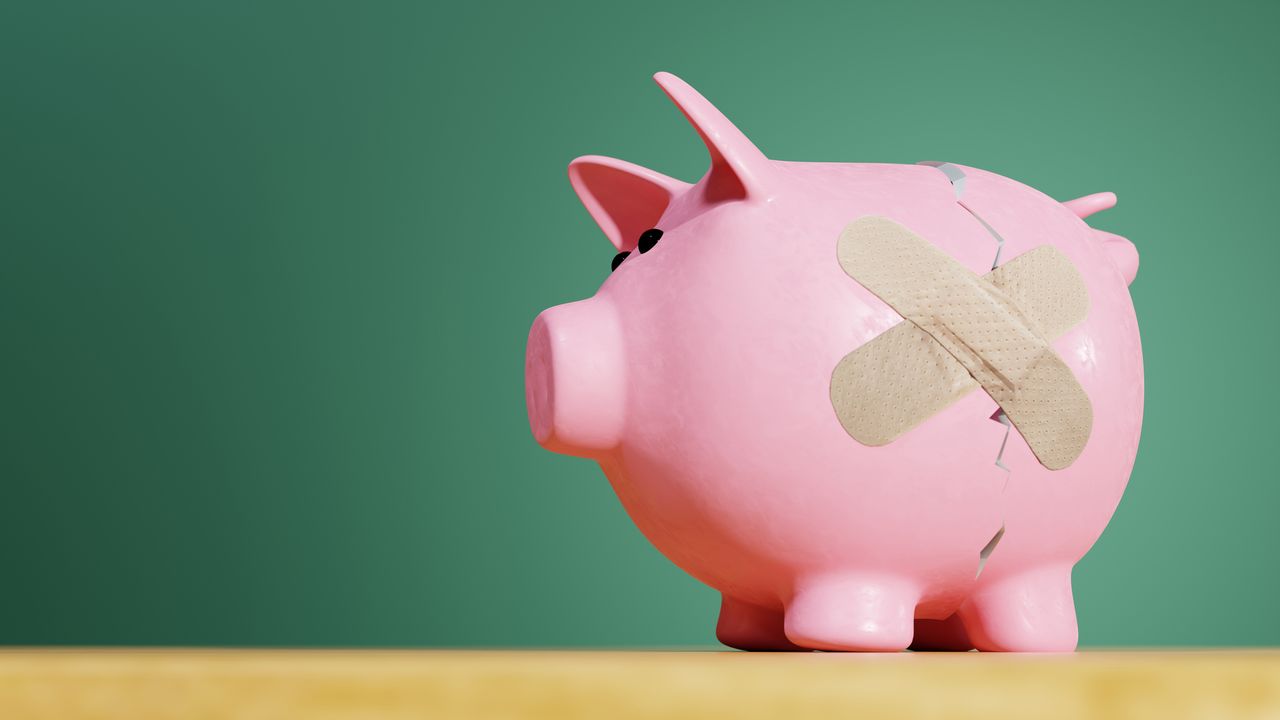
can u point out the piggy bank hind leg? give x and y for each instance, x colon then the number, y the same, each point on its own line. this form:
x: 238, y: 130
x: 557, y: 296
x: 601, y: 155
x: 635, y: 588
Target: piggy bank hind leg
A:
x: 746, y: 626
x: 1032, y: 611
x: 852, y: 612
x: 941, y: 635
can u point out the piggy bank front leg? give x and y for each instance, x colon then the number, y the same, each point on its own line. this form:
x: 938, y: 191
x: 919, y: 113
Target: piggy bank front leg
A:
x: 746, y: 626
x: 1032, y: 611
x: 856, y: 612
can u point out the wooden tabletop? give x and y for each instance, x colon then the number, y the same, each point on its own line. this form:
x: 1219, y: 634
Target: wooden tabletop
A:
x: 330, y: 684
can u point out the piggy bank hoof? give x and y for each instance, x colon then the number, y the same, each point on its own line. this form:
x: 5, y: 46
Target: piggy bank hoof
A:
x: 1029, y: 612
x: 852, y: 613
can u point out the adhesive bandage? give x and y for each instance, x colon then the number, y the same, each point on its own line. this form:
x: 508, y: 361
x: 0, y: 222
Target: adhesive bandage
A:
x: 961, y: 331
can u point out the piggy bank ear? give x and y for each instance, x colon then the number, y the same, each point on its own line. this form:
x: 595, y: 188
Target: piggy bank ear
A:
x: 738, y: 169
x: 623, y: 199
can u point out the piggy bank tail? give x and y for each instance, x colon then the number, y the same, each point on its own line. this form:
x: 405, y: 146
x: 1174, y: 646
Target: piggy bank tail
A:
x: 1122, y: 252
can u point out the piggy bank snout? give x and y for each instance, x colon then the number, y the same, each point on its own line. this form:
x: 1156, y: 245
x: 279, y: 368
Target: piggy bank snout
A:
x: 574, y: 383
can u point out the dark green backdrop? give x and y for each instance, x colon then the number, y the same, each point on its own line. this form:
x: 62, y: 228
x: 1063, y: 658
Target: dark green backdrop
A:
x: 266, y: 271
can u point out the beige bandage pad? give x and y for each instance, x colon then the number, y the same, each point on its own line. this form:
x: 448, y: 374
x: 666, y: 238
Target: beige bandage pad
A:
x: 962, y: 331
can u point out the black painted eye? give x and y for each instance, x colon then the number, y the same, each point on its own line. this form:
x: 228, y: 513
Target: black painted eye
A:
x: 648, y: 239
x: 617, y: 260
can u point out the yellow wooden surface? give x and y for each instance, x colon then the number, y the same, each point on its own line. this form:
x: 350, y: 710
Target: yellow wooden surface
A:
x: 324, y: 685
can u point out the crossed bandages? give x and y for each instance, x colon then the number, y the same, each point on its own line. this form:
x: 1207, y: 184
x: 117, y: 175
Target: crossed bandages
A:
x: 960, y: 331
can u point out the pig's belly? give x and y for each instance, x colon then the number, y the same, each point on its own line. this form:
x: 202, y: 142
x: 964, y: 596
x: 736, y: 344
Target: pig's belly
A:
x: 752, y: 508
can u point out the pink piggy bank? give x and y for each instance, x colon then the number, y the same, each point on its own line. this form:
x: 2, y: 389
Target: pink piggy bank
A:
x: 699, y: 377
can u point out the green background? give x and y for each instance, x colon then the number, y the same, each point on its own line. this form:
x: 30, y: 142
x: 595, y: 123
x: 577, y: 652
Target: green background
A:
x: 266, y: 271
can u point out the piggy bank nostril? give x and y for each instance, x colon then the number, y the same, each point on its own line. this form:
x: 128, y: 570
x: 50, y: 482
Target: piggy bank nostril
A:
x: 617, y: 260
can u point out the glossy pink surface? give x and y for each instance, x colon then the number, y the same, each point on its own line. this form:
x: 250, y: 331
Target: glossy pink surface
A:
x: 698, y: 378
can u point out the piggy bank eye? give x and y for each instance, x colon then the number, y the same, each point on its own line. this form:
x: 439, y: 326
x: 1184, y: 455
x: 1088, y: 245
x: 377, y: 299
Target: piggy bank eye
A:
x: 617, y: 260
x: 648, y: 239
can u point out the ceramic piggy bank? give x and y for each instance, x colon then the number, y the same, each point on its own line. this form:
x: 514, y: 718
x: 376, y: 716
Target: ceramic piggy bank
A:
x: 700, y: 378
